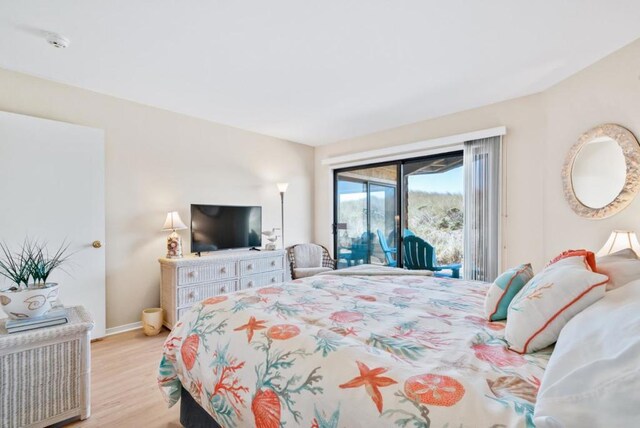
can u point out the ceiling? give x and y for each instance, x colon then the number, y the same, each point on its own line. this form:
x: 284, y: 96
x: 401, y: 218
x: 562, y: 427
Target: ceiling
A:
x: 314, y: 72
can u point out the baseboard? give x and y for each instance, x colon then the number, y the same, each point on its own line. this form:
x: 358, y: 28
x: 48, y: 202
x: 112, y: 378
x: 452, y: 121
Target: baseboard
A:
x: 123, y: 328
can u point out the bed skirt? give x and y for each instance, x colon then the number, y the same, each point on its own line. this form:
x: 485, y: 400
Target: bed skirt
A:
x: 192, y: 415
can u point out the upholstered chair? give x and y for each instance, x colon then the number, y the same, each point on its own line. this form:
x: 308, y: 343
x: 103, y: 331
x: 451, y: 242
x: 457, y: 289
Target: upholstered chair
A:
x: 308, y: 260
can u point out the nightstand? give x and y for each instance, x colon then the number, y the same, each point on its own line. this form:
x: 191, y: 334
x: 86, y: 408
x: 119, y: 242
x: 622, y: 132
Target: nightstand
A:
x: 45, y: 373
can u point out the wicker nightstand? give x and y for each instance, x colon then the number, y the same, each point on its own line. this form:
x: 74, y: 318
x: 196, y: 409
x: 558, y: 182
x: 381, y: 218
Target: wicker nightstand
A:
x: 45, y: 373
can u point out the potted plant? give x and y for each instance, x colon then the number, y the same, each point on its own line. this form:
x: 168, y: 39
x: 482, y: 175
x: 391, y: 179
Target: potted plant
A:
x: 25, y: 299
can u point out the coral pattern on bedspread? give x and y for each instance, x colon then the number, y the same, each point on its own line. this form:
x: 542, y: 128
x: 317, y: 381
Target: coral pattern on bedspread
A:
x: 351, y: 351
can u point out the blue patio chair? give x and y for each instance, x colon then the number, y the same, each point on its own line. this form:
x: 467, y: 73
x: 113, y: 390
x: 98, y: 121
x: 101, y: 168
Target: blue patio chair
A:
x: 420, y: 255
x: 407, y: 232
x: 388, y: 251
x: 360, y: 249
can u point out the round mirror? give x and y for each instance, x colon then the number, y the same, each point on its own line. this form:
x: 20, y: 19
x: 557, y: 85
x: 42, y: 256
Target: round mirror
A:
x: 601, y: 174
x: 598, y: 172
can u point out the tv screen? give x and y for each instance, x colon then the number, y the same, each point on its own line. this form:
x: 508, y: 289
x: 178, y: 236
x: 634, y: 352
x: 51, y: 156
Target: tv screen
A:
x: 222, y: 227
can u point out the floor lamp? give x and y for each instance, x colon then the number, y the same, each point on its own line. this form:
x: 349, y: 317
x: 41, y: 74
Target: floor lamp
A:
x: 282, y: 187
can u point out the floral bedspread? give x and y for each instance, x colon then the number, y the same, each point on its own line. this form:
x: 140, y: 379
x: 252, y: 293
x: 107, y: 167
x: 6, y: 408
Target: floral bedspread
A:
x: 351, y: 351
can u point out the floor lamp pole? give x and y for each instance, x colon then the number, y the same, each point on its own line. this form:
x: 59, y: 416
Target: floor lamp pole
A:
x: 282, y: 187
x: 282, y: 217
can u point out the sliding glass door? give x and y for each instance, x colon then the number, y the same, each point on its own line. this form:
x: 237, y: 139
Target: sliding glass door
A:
x: 433, y: 207
x: 366, y: 216
x: 376, y: 205
x: 449, y: 204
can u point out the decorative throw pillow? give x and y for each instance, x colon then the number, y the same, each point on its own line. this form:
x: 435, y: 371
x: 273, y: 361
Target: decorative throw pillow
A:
x: 589, y: 255
x: 593, y: 376
x: 503, y: 289
x: 621, y: 267
x: 547, y: 302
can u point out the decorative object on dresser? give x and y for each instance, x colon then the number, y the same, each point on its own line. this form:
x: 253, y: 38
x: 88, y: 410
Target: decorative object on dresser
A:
x: 25, y: 300
x: 282, y: 187
x: 45, y: 373
x: 193, y: 279
x: 309, y: 259
x: 173, y: 222
x: 272, y: 237
x: 601, y: 174
x: 152, y: 321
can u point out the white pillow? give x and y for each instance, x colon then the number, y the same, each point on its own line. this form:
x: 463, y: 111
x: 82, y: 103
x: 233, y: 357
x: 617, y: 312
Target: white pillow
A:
x: 621, y: 267
x: 593, y: 376
x: 547, y: 302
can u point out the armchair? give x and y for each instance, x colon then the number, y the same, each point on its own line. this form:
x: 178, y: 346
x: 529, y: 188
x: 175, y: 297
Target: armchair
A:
x: 308, y: 260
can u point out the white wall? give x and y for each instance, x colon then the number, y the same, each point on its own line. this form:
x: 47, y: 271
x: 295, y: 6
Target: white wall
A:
x: 541, y: 128
x: 158, y: 161
x: 608, y: 91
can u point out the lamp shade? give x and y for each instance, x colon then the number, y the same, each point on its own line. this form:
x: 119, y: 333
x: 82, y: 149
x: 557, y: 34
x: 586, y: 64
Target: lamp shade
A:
x: 282, y: 187
x: 620, y: 240
x: 173, y: 222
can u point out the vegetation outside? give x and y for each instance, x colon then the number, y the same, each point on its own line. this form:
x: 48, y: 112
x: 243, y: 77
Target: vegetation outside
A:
x: 438, y: 218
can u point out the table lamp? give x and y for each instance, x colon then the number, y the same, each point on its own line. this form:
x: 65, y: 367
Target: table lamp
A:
x: 174, y: 241
x: 620, y: 240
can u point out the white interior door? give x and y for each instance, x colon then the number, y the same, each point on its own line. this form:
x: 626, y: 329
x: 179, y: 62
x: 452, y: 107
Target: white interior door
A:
x: 52, y: 189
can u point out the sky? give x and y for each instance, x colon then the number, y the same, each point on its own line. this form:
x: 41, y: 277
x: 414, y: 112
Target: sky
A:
x: 448, y: 182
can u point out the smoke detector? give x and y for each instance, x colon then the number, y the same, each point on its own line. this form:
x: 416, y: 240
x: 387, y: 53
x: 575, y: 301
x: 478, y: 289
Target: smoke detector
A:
x: 57, y: 41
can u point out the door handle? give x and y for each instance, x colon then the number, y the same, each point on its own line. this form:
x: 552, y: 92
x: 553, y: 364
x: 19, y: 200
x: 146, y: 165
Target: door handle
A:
x: 96, y: 244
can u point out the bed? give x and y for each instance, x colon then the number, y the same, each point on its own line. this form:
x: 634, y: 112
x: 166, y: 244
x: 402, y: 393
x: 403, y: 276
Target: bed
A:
x: 349, y: 351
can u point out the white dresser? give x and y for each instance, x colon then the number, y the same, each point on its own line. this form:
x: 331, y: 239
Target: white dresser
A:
x: 191, y: 279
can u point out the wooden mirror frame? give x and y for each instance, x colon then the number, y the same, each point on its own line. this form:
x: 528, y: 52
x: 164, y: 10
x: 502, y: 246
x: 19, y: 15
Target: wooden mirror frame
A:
x: 631, y: 151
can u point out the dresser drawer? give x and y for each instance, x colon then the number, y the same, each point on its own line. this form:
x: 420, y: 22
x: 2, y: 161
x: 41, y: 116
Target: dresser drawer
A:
x: 253, y: 281
x: 187, y: 296
x: 204, y: 273
x: 265, y: 264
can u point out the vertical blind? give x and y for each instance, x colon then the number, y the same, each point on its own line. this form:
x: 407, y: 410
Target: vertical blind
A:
x: 481, y: 208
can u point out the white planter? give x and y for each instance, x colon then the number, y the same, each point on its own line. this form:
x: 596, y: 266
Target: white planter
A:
x: 32, y: 302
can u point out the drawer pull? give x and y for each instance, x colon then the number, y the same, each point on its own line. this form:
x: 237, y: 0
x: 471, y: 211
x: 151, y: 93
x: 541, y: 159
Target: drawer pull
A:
x: 273, y: 262
x: 273, y: 279
x: 223, y: 289
x: 193, y: 274
x: 249, y: 266
x: 194, y: 294
x: 223, y: 269
x: 250, y: 284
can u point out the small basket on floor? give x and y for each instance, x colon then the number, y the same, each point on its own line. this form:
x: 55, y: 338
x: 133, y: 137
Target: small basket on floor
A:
x: 152, y: 321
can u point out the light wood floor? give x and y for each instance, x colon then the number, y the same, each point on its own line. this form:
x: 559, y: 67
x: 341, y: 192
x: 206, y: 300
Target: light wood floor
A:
x: 124, y: 392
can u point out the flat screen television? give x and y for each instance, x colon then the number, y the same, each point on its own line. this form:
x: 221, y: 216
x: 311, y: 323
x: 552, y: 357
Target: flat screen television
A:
x: 224, y: 227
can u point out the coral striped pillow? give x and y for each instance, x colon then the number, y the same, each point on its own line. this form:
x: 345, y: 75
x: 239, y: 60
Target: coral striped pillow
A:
x: 504, y: 289
x: 589, y: 256
x: 547, y: 302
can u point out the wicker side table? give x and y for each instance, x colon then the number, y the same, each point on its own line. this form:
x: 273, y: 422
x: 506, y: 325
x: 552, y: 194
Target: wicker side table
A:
x: 45, y: 373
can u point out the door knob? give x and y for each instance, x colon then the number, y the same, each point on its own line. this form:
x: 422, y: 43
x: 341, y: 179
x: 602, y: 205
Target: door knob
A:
x: 96, y: 244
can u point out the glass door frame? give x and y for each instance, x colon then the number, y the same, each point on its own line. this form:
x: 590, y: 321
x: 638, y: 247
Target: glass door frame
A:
x: 398, y: 203
x: 401, y: 194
